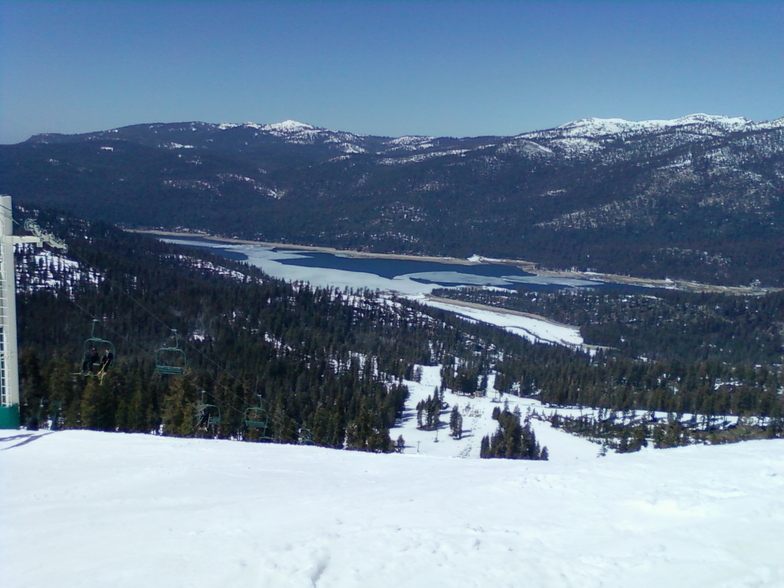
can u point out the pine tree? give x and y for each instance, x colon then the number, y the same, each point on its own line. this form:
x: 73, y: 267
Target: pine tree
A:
x: 179, y: 405
x: 98, y: 405
x: 456, y: 423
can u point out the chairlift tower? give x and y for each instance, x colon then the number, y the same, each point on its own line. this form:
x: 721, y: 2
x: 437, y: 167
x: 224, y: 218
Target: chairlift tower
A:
x: 9, y: 356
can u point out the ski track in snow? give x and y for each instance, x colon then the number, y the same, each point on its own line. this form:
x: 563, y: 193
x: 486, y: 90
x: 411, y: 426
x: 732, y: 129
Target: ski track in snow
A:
x: 88, y: 509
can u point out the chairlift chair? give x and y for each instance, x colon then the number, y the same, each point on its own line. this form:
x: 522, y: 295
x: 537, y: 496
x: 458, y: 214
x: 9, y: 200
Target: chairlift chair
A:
x: 171, y: 360
x: 93, y: 364
x: 257, y: 417
x: 208, y: 416
x: 304, y: 436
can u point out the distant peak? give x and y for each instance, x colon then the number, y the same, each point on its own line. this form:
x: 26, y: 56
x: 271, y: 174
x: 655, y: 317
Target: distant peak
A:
x: 286, y: 126
x: 605, y: 125
x: 289, y: 126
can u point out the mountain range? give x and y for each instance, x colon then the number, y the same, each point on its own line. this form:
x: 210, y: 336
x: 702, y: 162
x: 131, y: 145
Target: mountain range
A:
x: 699, y: 197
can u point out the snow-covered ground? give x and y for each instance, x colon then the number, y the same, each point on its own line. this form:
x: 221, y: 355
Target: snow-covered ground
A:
x: 533, y: 329
x: 478, y: 422
x: 87, y: 509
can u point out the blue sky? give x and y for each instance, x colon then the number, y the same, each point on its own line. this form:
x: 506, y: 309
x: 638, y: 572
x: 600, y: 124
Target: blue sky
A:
x: 384, y: 68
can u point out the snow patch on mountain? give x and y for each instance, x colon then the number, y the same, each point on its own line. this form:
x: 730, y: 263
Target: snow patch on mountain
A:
x: 419, y: 157
x: 40, y: 269
x: 172, y: 145
x: 299, y: 133
x: 289, y: 126
x: 351, y: 148
x: 524, y: 147
x: 590, y: 135
x: 410, y: 143
x: 249, y: 125
x: 707, y: 124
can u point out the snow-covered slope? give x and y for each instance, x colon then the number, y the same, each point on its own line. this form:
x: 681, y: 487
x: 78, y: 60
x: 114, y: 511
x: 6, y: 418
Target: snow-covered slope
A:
x: 612, y: 126
x: 88, y: 510
x: 590, y: 135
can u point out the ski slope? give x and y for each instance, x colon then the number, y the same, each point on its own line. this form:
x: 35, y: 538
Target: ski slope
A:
x: 87, y: 509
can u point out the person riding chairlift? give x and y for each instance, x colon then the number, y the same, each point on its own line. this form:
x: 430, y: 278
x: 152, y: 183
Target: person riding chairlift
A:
x: 90, y: 362
x: 106, y: 360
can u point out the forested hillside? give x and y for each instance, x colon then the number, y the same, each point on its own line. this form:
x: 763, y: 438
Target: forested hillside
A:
x: 265, y: 359
x: 292, y: 363
x: 705, y: 354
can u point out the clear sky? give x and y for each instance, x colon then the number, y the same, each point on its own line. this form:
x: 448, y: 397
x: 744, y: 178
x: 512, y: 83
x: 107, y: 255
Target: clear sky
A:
x: 384, y: 68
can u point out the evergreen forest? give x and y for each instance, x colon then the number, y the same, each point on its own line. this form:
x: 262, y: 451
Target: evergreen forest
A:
x: 209, y: 347
x: 706, y: 354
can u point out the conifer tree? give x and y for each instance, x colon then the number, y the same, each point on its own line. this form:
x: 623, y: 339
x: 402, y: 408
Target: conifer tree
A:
x: 179, y: 418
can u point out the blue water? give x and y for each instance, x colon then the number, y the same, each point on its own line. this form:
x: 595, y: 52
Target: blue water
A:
x: 426, y: 272
x: 392, y: 268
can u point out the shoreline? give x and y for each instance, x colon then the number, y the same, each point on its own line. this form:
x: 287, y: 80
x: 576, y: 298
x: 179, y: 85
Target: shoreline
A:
x: 526, y: 266
x: 320, y: 249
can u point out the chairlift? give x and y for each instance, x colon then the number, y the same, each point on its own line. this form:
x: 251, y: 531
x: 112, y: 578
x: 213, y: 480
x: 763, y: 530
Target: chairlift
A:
x: 49, y: 415
x: 208, y: 416
x: 171, y: 360
x: 93, y: 363
x: 304, y: 436
x: 257, y: 417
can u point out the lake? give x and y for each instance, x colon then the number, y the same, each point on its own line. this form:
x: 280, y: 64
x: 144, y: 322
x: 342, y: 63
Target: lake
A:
x: 406, y: 276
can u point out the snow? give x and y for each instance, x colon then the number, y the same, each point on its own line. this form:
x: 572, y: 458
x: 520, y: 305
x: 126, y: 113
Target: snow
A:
x: 302, y: 133
x: 614, y: 126
x: 524, y: 146
x: 351, y: 148
x: 421, y: 157
x: 533, y: 329
x: 250, y: 125
x: 478, y: 422
x: 289, y: 126
x: 46, y: 269
x: 268, y: 259
x: 410, y: 143
x: 586, y: 136
x: 87, y: 509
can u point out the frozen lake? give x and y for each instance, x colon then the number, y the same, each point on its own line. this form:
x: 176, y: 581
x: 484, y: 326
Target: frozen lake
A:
x: 405, y: 276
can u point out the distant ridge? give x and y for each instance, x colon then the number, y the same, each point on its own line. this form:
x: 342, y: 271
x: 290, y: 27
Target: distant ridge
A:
x: 696, y: 197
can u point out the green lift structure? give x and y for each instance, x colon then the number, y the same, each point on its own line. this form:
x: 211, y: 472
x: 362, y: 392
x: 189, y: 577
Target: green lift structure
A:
x: 9, y: 355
